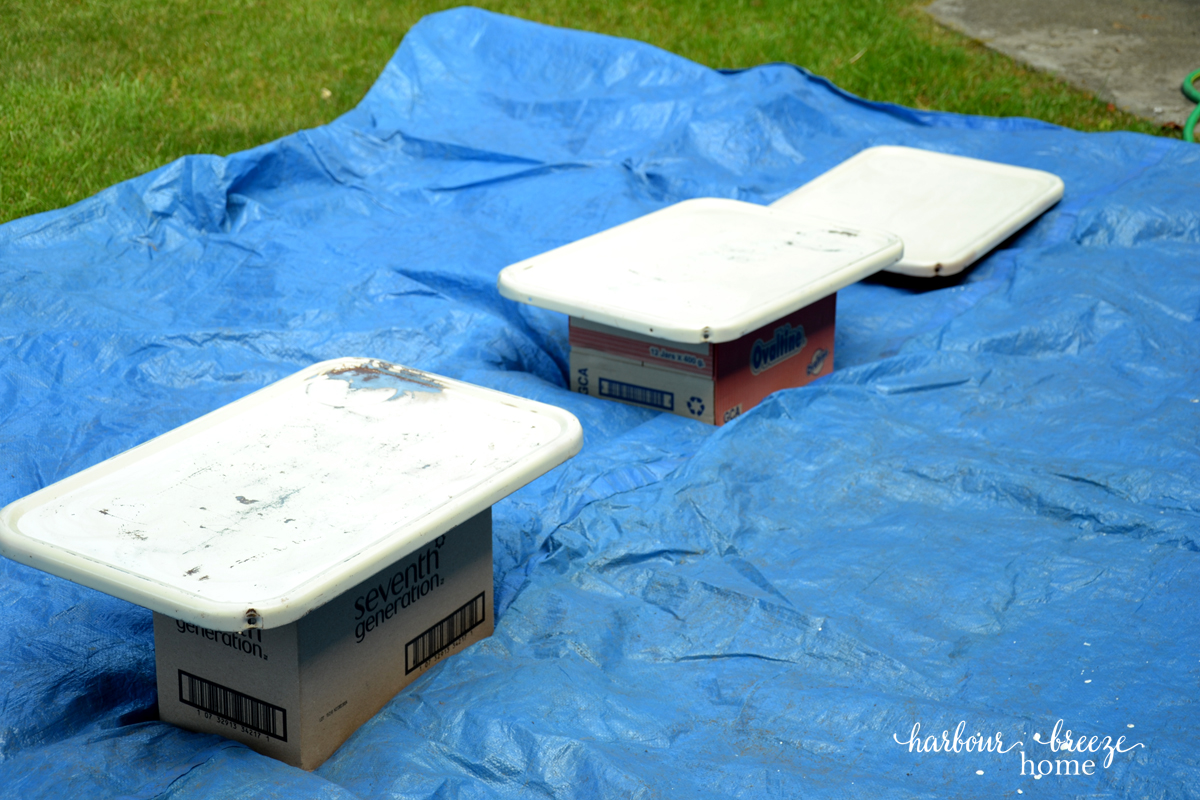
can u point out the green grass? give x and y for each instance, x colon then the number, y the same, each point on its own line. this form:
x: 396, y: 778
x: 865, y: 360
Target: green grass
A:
x: 93, y: 93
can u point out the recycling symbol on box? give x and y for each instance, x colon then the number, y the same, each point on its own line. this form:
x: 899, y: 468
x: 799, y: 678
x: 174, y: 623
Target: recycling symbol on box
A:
x: 696, y: 406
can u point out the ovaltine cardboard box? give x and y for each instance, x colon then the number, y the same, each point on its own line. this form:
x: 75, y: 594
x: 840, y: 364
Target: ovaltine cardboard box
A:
x: 702, y: 308
x: 308, y: 550
x: 713, y: 383
x: 297, y: 692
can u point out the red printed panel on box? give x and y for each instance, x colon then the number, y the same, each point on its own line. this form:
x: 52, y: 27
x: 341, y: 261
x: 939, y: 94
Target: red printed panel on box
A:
x: 653, y: 354
x: 791, y: 351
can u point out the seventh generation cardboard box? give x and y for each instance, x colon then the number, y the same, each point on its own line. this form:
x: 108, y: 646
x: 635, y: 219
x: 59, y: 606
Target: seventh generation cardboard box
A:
x: 297, y: 692
x: 308, y: 550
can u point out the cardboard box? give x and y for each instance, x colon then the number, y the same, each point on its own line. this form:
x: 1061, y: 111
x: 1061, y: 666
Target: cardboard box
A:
x: 307, y: 550
x: 702, y: 308
x: 713, y: 383
x: 297, y: 692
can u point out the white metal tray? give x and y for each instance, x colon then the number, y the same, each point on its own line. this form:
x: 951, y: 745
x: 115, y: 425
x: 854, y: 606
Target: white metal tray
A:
x: 706, y: 270
x: 265, y: 509
x: 949, y: 210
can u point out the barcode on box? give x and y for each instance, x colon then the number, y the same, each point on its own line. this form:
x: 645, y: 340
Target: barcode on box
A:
x: 632, y: 393
x: 232, y: 705
x: 443, y: 634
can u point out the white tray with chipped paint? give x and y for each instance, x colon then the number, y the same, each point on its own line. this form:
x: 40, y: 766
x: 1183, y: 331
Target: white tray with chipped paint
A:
x: 267, y: 508
x: 704, y: 270
x: 949, y: 210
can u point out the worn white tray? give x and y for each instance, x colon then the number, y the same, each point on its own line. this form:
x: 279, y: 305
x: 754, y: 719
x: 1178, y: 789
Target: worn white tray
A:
x: 265, y: 509
x: 706, y: 270
x: 949, y: 210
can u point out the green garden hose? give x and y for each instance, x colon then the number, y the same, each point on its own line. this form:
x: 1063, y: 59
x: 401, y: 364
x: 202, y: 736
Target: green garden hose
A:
x: 1190, y: 91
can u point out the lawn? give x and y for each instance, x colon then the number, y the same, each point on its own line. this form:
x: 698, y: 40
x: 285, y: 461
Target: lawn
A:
x: 92, y: 93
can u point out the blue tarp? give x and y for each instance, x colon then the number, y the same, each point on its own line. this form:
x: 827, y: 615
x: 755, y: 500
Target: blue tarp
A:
x: 988, y: 514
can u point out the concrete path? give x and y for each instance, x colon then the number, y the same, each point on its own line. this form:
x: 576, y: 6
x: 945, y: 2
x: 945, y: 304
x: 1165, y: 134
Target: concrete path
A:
x: 1134, y: 53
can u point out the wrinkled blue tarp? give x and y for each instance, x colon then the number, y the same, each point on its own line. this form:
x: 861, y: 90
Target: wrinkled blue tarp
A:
x: 988, y: 514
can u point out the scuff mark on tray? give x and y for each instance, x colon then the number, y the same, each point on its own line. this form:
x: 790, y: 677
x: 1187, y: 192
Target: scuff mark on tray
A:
x: 375, y: 374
